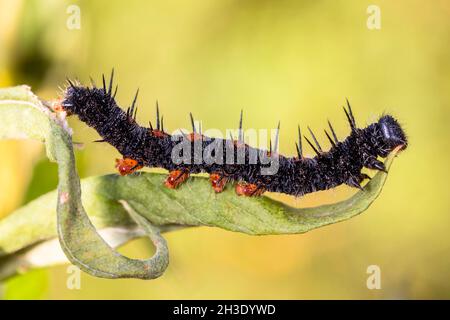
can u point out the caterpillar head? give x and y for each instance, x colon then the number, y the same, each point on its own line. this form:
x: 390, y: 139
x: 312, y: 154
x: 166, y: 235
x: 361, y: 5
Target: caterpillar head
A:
x: 392, y: 134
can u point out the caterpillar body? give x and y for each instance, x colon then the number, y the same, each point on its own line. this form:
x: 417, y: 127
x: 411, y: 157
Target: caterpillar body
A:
x: 298, y: 175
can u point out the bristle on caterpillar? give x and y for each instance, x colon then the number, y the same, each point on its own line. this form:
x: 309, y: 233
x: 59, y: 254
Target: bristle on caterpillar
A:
x: 299, y: 175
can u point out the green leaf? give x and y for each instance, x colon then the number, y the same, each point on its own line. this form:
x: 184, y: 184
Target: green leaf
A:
x: 25, y: 116
x: 123, y: 208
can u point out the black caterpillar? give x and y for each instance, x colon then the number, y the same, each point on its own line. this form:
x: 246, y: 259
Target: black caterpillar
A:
x: 153, y: 147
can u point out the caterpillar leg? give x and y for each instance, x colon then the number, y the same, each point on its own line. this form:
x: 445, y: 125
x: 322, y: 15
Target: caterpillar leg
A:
x: 175, y: 178
x: 356, y: 181
x: 375, y: 164
x: 248, y: 189
x: 218, y: 182
x: 127, y: 166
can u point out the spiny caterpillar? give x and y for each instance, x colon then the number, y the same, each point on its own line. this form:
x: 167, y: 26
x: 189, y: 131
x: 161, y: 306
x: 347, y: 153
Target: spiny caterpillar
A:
x: 153, y: 147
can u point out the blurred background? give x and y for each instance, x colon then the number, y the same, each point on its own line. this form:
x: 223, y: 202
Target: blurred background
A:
x: 293, y: 61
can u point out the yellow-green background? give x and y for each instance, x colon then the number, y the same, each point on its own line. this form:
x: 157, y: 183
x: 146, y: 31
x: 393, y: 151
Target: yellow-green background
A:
x: 293, y: 61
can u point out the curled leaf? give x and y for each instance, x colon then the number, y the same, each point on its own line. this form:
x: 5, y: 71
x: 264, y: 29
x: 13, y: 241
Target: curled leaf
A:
x: 25, y: 116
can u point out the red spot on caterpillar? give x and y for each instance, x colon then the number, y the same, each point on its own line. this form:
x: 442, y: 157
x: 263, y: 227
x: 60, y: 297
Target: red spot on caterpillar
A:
x: 249, y: 189
x: 175, y: 178
x: 127, y: 166
x: 274, y: 154
x: 158, y: 133
x: 194, y: 136
x: 56, y: 105
x: 218, y: 182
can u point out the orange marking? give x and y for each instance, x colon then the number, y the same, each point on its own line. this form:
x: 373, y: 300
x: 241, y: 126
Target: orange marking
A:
x: 248, y: 189
x: 175, y: 178
x: 158, y: 133
x: 218, y: 182
x: 269, y: 153
x: 56, y: 105
x: 127, y: 166
x: 194, y: 136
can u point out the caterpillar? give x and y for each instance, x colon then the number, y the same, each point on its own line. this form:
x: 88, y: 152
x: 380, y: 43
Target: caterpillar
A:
x: 154, y: 147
